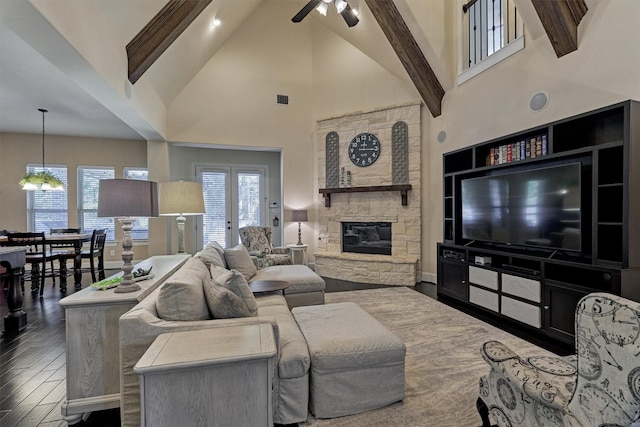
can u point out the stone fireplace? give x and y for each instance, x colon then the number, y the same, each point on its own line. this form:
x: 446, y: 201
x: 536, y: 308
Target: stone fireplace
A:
x: 369, y: 196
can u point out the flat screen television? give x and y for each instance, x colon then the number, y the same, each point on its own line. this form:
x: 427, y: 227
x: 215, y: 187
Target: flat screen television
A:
x: 538, y: 207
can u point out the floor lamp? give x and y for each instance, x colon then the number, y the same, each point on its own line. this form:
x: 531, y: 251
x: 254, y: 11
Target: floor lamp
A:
x: 127, y: 199
x: 181, y: 198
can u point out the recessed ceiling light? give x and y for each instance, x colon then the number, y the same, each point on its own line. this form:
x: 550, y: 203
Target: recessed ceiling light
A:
x: 215, y: 23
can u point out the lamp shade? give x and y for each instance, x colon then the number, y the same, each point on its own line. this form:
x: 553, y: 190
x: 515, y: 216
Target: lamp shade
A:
x: 127, y: 198
x: 180, y: 198
x: 299, y: 215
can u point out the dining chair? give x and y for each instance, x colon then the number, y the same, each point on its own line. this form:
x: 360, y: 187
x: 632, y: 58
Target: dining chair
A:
x: 96, y: 251
x: 63, y: 251
x: 38, y: 255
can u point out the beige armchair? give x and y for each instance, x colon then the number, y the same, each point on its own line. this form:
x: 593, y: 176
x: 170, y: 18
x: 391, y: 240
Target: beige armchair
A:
x: 600, y: 386
x: 257, y: 240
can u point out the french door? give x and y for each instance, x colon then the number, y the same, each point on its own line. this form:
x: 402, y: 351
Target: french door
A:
x: 234, y: 197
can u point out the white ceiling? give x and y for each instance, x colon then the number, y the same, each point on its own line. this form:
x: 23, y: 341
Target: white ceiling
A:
x: 30, y: 80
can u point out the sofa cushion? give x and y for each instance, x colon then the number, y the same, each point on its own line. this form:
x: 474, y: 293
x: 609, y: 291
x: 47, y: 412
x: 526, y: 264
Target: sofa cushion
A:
x: 300, y: 277
x: 236, y: 283
x: 212, y: 255
x: 181, y: 297
x: 294, y: 359
x: 238, y: 258
x: 224, y: 304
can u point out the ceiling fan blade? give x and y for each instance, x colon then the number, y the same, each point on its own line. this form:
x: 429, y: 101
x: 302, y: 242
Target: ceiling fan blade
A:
x: 305, y: 10
x: 349, y: 17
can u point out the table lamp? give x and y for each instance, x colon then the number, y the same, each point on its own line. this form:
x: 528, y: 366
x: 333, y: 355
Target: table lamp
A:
x: 127, y: 199
x: 299, y: 215
x: 181, y: 198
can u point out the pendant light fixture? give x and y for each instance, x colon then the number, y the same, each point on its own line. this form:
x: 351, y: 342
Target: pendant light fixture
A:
x: 42, y: 180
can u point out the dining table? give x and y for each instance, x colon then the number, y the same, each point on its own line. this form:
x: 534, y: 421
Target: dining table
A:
x: 75, y: 242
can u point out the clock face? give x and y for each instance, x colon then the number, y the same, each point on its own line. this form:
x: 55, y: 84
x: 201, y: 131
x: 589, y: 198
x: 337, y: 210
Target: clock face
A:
x: 364, y: 149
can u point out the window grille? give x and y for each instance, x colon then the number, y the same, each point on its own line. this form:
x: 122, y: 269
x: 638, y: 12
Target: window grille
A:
x: 490, y: 26
x: 140, y: 229
x: 47, y: 209
x: 88, y: 184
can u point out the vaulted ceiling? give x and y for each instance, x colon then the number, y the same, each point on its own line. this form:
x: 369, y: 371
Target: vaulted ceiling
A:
x: 40, y: 68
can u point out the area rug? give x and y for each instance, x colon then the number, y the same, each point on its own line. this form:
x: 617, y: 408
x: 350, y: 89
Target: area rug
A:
x: 442, y: 365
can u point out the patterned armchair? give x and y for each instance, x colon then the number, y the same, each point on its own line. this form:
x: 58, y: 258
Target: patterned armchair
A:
x: 600, y: 386
x: 257, y: 240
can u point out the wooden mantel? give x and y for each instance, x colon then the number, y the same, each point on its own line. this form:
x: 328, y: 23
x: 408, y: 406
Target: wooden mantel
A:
x: 402, y: 188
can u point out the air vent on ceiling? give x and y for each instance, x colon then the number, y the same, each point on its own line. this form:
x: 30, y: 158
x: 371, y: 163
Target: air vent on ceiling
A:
x: 282, y: 99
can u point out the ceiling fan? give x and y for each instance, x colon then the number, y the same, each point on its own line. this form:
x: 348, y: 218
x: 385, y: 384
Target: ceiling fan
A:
x: 322, y: 5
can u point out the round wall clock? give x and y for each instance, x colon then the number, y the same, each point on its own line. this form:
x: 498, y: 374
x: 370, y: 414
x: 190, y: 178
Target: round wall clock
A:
x: 364, y: 149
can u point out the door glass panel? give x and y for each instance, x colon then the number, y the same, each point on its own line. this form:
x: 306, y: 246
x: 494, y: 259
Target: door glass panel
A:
x: 214, y: 187
x: 249, y: 206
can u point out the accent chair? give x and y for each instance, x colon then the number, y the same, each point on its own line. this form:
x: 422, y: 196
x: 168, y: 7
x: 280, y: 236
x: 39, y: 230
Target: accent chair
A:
x: 599, y: 386
x: 257, y: 240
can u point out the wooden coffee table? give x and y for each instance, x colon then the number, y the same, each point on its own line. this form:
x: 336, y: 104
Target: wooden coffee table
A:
x: 268, y: 285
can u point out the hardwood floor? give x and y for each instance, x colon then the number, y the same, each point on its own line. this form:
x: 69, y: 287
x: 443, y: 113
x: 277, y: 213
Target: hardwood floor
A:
x: 33, y: 365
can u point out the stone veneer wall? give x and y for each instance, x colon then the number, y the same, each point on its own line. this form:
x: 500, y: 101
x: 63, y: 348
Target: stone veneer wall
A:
x: 402, y: 268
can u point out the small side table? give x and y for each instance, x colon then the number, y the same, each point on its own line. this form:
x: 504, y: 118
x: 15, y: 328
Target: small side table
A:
x: 212, y: 377
x: 302, y: 250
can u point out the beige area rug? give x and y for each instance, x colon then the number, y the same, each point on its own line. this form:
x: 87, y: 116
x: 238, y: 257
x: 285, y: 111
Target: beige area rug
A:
x: 443, y: 363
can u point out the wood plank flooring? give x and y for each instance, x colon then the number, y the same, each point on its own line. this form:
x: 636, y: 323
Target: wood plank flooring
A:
x: 33, y: 365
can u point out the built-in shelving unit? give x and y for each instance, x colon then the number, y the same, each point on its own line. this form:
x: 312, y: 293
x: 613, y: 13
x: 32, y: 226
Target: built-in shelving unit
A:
x: 402, y: 188
x: 537, y: 287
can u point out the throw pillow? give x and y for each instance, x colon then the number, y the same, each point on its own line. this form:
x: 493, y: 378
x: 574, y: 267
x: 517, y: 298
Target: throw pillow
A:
x: 211, y: 256
x: 236, y: 283
x: 224, y: 304
x: 238, y: 258
x: 181, y: 297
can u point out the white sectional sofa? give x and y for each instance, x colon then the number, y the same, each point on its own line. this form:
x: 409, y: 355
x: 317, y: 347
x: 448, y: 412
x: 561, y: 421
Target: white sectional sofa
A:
x: 187, y: 301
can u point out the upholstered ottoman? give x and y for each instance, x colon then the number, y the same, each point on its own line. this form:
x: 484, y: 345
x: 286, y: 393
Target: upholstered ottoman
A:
x: 357, y: 364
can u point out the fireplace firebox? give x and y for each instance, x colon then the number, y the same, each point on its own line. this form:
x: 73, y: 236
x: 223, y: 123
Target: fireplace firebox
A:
x: 366, y: 237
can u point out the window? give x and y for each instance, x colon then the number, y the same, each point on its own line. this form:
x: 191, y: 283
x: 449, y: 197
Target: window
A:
x: 88, y: 183
x: 492, y: 31
x: 47, y: 209
x: 140, y: 229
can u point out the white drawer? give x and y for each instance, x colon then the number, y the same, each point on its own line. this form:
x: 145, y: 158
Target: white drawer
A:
x: 523, y: 312
x: 521, y: 287
x: 484, y: 298
x: 483, y: 277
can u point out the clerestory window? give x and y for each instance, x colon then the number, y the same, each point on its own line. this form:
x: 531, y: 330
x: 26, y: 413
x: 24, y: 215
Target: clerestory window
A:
x: 492, y: 30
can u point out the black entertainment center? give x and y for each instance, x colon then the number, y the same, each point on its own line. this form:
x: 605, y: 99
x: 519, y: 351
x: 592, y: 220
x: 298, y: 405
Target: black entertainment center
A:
x: 535, y: 220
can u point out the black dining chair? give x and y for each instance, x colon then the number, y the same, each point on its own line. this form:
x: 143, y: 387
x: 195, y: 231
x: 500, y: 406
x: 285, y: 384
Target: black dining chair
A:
x: 38, y: 255
x: 63, y: 251
x: 96, y: 252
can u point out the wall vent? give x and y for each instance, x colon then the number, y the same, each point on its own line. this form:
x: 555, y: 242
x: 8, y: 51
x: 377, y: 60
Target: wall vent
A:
x: 282, y: 99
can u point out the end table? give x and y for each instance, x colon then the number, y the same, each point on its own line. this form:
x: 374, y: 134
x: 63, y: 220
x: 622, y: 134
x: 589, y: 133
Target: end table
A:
x: 298, y: 252
x: 214, y: 377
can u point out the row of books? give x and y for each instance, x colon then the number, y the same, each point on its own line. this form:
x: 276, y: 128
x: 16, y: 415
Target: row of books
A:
x: 525, y: 149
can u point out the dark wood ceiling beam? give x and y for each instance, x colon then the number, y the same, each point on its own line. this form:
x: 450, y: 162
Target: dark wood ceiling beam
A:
x: 395, y: 29
x: 147, y: 46
x: 560, y: 19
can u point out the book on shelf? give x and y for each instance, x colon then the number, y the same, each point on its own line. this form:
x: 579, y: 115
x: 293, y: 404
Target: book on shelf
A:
x: 545, y: 146
x: 532, y: 147
x: 538, y: 146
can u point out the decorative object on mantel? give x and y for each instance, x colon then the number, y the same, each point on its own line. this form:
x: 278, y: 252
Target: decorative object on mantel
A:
x: 299, y: 215
x: 402, y: 188
x: 180, y: 199
x: 400, y: 153
x: 126, y: 199
x: 42, y: 180
x: 332, y: 154
x: 348, y: 179
x: 342, y: 181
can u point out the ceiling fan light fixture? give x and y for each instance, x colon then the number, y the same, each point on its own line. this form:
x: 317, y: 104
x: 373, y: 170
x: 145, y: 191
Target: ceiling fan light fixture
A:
x: 322, y: 8
x: 341, y: 5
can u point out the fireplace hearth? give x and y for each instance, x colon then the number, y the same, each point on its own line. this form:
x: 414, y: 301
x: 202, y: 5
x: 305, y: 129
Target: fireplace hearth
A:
x: 366, y: 237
